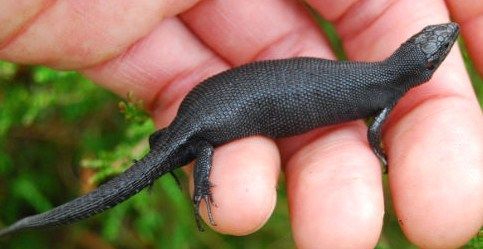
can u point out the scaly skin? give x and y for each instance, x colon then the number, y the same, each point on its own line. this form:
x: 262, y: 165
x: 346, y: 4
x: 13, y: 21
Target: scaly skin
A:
x: 276, y: 98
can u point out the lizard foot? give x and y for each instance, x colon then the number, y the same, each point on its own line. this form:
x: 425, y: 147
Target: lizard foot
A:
x: 204, y: 193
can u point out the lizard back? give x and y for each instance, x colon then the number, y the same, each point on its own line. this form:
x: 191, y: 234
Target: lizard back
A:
x: 280, y: 98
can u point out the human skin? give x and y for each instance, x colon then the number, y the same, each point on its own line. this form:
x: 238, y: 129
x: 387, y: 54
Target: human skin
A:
x: 159, y: 50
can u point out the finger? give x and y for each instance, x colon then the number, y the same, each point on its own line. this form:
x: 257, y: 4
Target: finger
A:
x: 434, y: 138
x: 76, y: 34
x: 275, y: 29
x: 159, y: 69
x: 11, y: 19
x: 244, y: 176
x: 335, y: 190
x: 469, y: 14
x: 252, y: 30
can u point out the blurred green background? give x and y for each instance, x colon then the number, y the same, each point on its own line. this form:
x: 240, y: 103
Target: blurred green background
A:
x: 61, y: 135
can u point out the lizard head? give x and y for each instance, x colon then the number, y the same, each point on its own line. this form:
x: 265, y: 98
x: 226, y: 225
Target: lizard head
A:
x: 422, y: 54
x: 435, y: 42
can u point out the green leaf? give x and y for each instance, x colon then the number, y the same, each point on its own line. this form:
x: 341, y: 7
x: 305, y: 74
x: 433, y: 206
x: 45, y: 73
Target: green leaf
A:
x: 25, y: 188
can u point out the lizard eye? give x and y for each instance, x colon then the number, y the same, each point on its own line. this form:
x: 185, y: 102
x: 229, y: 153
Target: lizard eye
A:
x: 430, y: 66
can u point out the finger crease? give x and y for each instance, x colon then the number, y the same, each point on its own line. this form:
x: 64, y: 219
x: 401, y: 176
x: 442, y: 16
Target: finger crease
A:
x: 166, y: 96
x: 364, y: 25
x: 469, y: 19
x: 399, y: 114
x: 296, y: 46
x: 26, y: 25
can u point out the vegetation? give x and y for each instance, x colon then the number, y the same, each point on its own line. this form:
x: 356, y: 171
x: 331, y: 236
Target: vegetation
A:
x: 61, y: 136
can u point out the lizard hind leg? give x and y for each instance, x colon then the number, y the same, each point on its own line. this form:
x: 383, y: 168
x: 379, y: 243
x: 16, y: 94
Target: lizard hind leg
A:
x: 155, y: 137
x: 202, y: 190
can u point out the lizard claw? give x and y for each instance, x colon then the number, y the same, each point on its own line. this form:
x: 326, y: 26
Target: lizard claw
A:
x: 208, y: 199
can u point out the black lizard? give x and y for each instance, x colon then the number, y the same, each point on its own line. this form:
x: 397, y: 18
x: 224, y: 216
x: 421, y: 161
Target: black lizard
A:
x: 275, y: 98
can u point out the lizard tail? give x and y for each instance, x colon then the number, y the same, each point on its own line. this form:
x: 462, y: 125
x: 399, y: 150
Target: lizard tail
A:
x: 109, y: 194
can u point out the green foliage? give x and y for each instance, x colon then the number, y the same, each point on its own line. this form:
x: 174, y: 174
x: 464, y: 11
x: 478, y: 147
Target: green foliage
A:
x: 49, y: 120
x: 476, y: 242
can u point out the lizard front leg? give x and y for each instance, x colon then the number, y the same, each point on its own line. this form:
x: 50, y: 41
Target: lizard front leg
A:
x: 202, y: 191
x: 374, y: 135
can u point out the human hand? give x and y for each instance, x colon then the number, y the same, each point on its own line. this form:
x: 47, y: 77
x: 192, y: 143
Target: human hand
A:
x: 333, y: 178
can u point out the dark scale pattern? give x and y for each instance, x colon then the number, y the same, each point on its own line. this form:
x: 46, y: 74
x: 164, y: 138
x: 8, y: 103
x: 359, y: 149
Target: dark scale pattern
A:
x: 312, y: 96
x: 276, y: 98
